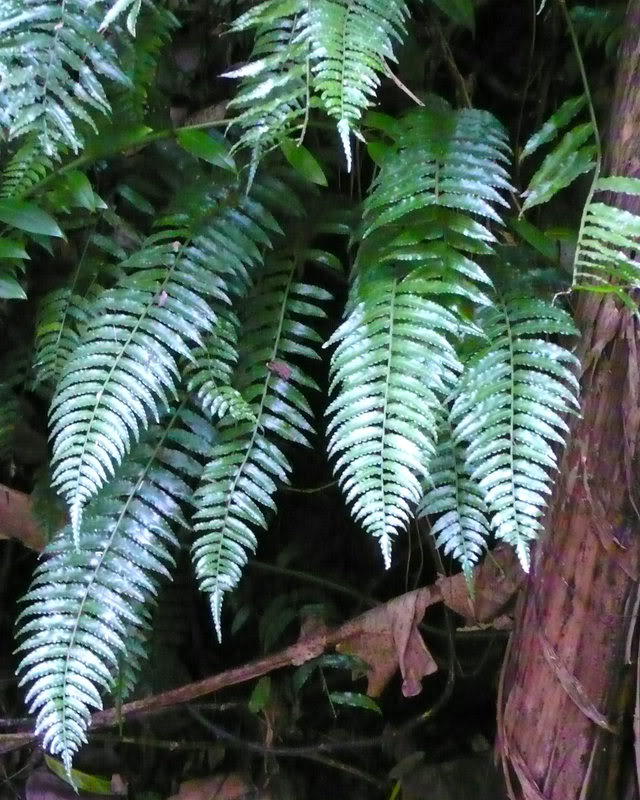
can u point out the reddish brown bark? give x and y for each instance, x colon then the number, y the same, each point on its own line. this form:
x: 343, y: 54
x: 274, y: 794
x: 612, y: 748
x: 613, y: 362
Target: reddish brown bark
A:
x: 566, y: 677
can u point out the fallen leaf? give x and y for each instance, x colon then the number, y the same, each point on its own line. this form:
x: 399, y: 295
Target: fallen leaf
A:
x: 44, y: 785
x: 225, y: 786
x: 387, y: 639
x: 17, y: 520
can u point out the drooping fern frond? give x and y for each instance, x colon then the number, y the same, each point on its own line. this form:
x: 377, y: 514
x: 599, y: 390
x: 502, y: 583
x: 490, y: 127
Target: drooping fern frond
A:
x: 427, y: 209
x: 333, y: 50
x: 52, y: 61
x: 125, y: 369
x: 509, y: 412
x: 248, y: 463
x: 351, y: 41
x: 90, y: 603
x: 273, y: 97
x: 462, y: 527
x: 393, y: 366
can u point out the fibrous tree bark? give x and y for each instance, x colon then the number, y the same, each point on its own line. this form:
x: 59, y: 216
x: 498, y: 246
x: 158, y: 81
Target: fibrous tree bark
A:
x: 566, y: 685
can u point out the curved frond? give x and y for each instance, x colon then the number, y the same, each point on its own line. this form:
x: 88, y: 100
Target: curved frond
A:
x: 509, y: 414
x: 248, y: 463
x: 609, y: 241
x: 393, y: 365
x: 27, y: 167
x: 52, y: 63
x: 462, y: 527
x: 125, y: 370
x: 89, y: 604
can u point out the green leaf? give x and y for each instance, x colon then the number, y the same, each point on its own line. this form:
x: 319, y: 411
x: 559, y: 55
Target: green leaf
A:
x: 618, y: 183
x: 459, y: 11
x: 556, y: 122
x: 10, y: 289
x: 303, y: 162
x: 12, y: 249
x: 81, y: 781
x: 260, y: 695
x: 538, y: 239
x: 204, y: 146
x: 355, y: 700
x: 28, y: 217
x: 80, y: 190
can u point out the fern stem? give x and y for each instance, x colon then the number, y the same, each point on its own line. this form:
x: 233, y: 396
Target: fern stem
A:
x: 596, y: 136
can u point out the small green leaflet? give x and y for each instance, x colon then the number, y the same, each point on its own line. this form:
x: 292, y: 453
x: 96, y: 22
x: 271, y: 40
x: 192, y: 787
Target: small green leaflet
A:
x: 28, y: 217
x: 203, y: 146
x: 260, y: 695
x: 11, y: 249
x: 303, y: 162
x: 354, y: 699
x: 619, y: 183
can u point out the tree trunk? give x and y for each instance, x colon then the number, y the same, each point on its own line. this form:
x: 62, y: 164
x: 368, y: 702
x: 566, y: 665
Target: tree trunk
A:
x: 567, y: 678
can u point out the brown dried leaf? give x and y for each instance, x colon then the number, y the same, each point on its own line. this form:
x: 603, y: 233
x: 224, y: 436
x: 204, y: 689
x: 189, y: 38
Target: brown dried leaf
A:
x: 17, y: 520
x: 224, y: 786
x: 387, y: 638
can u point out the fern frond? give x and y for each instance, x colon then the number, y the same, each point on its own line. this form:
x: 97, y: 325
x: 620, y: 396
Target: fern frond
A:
x: 393, y: 365
x: 27, y: 167
x: 574, y: 155
x: 52, y: 60
x: 273, y: 97
x: 125, y: 369
x: 606, y: 252
x: 508, y: 413
x: 61, y: 315
x: 462, y: 527
x: 246, y: 466
x: 89, y: 604
x: 351, y: 41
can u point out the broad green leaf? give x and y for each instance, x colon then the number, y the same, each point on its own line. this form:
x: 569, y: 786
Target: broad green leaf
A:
x: 538, y: 239
x: 204, y: 146
x: 80, y: 191
x: 28, y: 217
x: 303, y: 162
x: 81, y: 781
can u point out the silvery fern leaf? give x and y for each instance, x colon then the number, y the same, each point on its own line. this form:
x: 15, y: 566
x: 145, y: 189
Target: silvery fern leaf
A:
x: 246, y: 466
x: 52, y: 64
x: 89, y: 603
x: 509, y: 411
x: 124, y: 372
x: 393, y: 365
x: 461, y: 526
